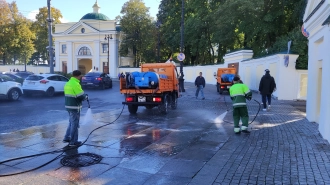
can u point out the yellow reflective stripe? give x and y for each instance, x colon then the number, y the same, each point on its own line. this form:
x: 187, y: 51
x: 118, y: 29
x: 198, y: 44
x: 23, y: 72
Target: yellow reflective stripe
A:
x: 80, y: 93
x: 247, y: 92
x: 239, y: 104
x: 237, y: 129
x: 237, y: 95
x: 70, y: 95
x: 73, y: 107
x: 244, y: 128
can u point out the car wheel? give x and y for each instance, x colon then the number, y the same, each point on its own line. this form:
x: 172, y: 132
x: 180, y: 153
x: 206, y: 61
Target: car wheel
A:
x: 14, y: 94
x: 50, y: 92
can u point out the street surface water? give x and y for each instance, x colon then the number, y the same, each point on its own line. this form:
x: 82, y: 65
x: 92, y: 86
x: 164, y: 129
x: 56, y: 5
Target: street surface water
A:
x: 193, y: 144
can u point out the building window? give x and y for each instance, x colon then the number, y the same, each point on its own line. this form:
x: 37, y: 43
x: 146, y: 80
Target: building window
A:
x: 105, y: 48
x: 84, y: 51
x: 64, y: 48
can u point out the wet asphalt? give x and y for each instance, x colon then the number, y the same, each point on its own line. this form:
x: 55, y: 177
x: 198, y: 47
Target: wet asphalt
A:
x: 189, y: 145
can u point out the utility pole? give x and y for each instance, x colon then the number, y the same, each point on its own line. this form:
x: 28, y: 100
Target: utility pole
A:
x: 50, y: 40
x: 181, y: 80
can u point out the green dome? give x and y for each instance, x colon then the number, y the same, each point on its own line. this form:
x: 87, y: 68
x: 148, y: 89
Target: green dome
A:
x: 96, y: 16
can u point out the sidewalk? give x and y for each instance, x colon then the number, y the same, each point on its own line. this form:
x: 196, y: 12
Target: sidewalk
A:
x: 190, y: 145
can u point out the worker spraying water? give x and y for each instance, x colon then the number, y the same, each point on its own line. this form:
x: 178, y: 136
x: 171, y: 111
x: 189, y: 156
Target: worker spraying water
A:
x: 239, y: 92
x: 74, y: 95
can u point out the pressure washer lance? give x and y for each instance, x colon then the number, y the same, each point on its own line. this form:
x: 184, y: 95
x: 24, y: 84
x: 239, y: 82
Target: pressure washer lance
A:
x: 87, y: 99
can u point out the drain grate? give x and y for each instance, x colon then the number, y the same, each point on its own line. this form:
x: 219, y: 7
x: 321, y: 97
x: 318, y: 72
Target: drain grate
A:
x: 81, y: 160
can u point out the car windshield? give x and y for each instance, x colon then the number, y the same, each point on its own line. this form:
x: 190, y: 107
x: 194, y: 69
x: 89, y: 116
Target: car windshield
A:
x: 34, y: 78
x: 93, y: 74
x: 6, y: 78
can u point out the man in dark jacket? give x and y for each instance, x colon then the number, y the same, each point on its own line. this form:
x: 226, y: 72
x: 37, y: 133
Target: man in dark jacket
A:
x: 267, y: 86
x: 200, y: 84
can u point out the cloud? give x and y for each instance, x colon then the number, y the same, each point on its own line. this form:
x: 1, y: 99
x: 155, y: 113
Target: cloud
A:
x: 32, y: 15
x: 64, y: 20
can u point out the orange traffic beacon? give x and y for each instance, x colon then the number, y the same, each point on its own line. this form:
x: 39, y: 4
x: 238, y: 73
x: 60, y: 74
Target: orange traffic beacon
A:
x: 156, y: 85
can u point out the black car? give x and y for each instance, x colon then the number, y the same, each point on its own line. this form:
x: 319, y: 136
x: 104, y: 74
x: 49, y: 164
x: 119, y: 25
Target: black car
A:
x: 23, y: 74
x: 15, y: 77
x: 96, y: 80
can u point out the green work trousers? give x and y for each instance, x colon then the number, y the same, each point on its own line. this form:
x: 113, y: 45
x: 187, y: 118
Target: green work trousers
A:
x: 241, y: 113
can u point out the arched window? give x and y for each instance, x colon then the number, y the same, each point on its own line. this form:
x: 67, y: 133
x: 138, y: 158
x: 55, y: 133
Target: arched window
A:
x: 84, y: 51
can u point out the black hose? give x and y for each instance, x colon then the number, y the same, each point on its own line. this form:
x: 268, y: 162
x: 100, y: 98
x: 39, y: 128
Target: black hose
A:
x: 52, y: 152
x: 224, y: 97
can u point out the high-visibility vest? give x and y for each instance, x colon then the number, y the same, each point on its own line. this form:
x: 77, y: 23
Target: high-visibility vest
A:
x: 238, y: 93
x: 74, y: 95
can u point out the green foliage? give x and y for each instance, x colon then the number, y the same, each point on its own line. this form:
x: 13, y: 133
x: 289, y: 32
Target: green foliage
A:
x: 40, y: 28
x: 299, y: 45
x: 139, y: 31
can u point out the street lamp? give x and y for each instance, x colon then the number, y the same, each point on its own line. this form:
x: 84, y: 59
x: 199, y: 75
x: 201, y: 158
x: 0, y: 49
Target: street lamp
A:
x: 181, y: 80
x: 108, y: 37
x: 50, y: 47
x: 158, y: 26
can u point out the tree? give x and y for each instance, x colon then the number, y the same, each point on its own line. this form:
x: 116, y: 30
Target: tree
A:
x: 40, y: 27
x: 5, y: 20
x: 137, y: 27
x: 16, y: 38
x: 22, y: 43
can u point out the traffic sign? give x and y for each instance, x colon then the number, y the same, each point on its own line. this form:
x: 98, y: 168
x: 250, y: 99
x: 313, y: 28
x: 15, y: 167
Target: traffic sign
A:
x: 181, y: 57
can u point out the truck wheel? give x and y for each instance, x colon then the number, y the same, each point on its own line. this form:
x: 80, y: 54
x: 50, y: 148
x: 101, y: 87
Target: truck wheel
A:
x: 14, y: 94
x: 132, y: 109
x: 218, y: 87
x: 221, y: 91
x: 163, y: 108
x: 174, y: 101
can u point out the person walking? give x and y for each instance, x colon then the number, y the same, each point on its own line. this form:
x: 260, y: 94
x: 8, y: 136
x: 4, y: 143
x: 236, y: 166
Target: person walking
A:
x: 74, y: 95
x: 239, y: 92
x: 267, y: 86
x: 200, y: 84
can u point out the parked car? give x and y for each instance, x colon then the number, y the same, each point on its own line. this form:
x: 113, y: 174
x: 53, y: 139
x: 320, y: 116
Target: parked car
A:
x: 9, y: 88
x: 49, y: 84
x: 96, y: 80
x: 15, y: 77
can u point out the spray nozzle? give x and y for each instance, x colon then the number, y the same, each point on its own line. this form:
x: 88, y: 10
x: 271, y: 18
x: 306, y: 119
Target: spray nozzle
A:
x: 89, y: 106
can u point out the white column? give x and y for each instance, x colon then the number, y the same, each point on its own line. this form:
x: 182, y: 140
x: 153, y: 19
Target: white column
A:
x: 70, y: 56
x: 96, y: 56
x: 58, y: 62
x: 324, y: 125
x: 113, y: 58
x: 312, y: 85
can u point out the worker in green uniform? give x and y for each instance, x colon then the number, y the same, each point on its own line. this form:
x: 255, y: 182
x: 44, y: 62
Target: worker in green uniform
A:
x: 239, y: 92
x: 74, y: 95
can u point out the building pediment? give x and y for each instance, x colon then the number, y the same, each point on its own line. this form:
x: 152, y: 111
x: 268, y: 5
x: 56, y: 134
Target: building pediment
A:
x: 80, y: 28
x: 312, y: 7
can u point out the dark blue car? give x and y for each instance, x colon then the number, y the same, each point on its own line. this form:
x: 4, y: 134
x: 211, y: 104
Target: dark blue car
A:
x: 96, y: 80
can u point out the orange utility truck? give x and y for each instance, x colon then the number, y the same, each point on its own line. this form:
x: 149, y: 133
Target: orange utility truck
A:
x: 155, y: 86
x: 224, y: 78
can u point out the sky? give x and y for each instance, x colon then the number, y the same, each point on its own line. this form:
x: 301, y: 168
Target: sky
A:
x: 73, y: 10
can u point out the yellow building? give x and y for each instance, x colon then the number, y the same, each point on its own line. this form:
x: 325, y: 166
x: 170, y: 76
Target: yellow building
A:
x: 90, y: 44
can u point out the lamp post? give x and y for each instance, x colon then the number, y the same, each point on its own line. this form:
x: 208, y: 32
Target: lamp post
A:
x: 108, y: 37
x: 50, y: 40
x: 158, y: 46
x: 181, y: 80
